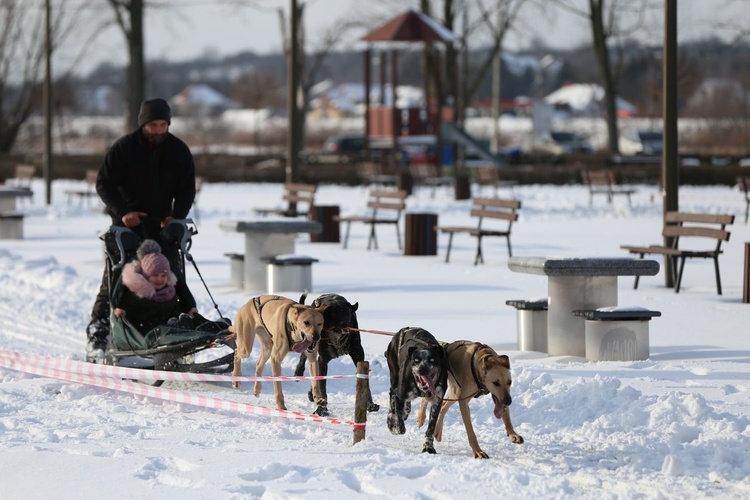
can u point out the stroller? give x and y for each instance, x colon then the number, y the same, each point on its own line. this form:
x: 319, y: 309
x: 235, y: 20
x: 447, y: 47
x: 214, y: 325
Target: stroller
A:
x: 170, y: 347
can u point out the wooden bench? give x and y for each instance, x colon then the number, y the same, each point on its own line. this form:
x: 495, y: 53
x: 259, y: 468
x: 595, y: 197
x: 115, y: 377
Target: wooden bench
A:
x: 504, y: 212
x: 88, y: 191
x: 428, y: 174
x: 374, y: 173
x: 490, y: 176
x: 604, y: 182
x: 294, y: 194
x: 743, y: 182
x: 22, y: 176
x: 385, y: 208
x: 681, y: 225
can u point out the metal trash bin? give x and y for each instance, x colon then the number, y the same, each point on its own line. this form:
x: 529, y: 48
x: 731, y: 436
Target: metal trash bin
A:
x: 532, y: 323
x: 289, y: 273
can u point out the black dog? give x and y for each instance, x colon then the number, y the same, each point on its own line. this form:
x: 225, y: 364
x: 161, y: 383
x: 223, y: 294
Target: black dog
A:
x: 419, y: 368
x: 336, y: 340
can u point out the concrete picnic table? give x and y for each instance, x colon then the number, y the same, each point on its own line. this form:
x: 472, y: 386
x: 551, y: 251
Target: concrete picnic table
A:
x: 264, y: 239
x: 575, y: 284
x: 9, y: 195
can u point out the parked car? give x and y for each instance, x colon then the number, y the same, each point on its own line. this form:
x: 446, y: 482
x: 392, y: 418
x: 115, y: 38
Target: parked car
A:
x: 345, y: 148
x: 641, y: 142
x: 557, y: 143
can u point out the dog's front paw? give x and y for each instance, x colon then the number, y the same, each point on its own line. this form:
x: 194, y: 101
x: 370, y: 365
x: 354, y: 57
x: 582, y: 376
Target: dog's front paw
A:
x: 322, y: 410
x: 480, y: 454
x: 429, y: 448
x: 395, y: 425
x: 516, y: 438
x: 373, y: 406
x: 236, y: 385
x: 256, y: 389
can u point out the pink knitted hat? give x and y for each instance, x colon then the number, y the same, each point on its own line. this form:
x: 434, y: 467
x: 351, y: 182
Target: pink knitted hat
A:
x: 154, y: 263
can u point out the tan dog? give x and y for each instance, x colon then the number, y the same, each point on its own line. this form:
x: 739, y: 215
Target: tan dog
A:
x: 281, y: 325
x: 474, y: 370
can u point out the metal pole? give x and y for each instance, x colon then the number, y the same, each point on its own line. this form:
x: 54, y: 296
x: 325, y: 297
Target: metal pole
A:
x: 293, y: 146
x: 670, y: 167
x: 47, y: 98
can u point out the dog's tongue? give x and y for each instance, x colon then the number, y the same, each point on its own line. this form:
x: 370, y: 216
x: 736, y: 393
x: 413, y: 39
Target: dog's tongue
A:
x: 499, y: 409
x: 301, y: 346
x: 430, y: 384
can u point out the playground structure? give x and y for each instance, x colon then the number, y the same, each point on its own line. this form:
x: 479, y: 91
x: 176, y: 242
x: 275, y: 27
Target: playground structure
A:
x: 393, y: 125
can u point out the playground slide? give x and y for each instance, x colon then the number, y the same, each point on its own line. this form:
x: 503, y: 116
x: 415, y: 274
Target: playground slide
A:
x: 452, y: 132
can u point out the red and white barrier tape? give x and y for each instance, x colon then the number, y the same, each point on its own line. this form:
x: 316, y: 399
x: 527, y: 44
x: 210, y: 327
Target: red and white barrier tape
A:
x: 171, y: 395
x: 80, y: 367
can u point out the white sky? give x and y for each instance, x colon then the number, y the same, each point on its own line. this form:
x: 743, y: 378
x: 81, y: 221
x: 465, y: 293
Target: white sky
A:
x: 200, y: 27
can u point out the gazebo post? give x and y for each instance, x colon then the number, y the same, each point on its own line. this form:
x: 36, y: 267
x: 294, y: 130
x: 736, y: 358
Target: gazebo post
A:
x: 395, y: 121
x: 367, y: 78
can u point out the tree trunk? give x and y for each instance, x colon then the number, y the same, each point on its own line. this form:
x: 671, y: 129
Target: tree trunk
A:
x: 608, y: 83
x: 135, y: 92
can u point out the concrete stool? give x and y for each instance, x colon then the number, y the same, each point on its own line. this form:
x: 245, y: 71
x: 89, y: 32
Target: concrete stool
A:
x: 11, y: 226
x: 236, y: 269
x: 532, y: 324
x: 617, y: 333
x: 289, y: 273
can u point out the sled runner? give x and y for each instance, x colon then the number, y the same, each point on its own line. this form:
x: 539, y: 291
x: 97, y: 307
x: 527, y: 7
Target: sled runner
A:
x: 174, y: 346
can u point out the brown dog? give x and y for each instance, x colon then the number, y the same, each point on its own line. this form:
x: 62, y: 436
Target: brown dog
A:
x: 281, y: 325
x: 474, y: 370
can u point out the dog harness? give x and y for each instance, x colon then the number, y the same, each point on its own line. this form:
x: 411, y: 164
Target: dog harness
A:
x: 481, y: 388
x: 288, y: 326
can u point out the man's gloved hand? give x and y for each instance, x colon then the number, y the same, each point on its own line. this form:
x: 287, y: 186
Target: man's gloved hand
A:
x: 132, y: 219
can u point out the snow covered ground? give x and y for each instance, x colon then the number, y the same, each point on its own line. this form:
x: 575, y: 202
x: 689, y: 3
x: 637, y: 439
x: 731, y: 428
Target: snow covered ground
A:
x: 675, y: 426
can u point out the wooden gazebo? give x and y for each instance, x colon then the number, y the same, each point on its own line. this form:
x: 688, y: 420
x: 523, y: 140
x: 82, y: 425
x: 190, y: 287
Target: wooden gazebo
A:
x: 385, y: 120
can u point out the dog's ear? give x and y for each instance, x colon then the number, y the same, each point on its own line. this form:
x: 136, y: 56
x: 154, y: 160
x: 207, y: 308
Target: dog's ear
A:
x: 354, y: 306
x: 505, y: 361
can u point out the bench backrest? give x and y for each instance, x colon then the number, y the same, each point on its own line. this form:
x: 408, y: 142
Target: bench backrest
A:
x: 23, y: 175
x: 599, y: 178
x: 423, y: 170
x: 697, y: 225
x: 300, y: 193
x: 486, y: 175
x: 90, y: 177
x: 368, y: 169
x: 495, y: 208
x: 387, y: 199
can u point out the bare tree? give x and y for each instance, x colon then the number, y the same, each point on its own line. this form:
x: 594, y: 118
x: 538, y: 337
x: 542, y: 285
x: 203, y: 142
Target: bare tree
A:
x: 22, y: 55
x: 310, y: 64
x: 129, y: 18
x: 611, y: 22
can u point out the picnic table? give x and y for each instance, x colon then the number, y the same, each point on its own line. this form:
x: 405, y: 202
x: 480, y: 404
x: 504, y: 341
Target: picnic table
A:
x: 9, y: 195
x: 265, y: 239
x: 11, y: 220
x: 578, y: 284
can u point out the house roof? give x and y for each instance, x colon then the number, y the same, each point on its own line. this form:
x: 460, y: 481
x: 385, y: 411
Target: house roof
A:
x: 411, y: 26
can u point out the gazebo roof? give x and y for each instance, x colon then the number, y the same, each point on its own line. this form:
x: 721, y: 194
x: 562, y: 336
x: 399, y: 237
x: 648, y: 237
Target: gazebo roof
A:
x: 411, y: 26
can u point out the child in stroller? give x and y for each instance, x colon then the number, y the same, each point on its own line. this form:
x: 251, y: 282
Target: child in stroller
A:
x: 153, y: 314
x: 151, y: 295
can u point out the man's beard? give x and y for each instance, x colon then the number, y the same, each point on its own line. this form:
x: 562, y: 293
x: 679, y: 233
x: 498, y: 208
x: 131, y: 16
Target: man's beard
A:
x: 155, y: 139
